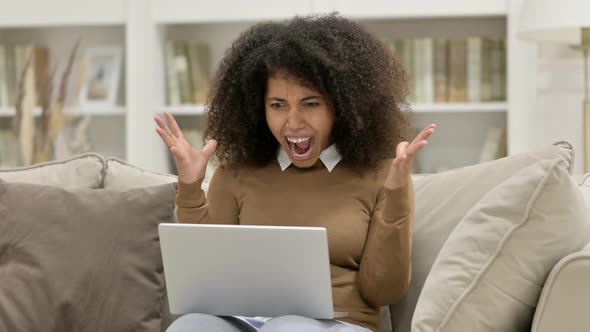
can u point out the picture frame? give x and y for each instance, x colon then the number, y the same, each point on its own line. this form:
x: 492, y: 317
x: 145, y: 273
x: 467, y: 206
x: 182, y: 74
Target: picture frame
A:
x: 103, y: 72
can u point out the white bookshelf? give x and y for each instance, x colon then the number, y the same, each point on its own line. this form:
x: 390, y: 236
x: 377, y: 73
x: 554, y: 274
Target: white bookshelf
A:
x: 59, y: 34
x: 143, y: 26
x: 185, y: 110
x: 500, y: 108
x: 39, y: 13
x: 387, y: 9
x: 9, y: 112
x: 189, y: 11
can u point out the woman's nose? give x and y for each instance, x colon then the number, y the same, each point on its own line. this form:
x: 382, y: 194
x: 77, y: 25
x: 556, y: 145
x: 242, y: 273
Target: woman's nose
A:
x: 295, y: 119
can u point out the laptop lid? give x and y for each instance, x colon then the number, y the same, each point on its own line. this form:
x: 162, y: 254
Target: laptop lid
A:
x: 234, y: 270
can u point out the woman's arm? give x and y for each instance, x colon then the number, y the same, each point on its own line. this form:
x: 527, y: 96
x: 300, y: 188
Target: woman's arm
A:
x: 385, y: 265
x: 219, y: 206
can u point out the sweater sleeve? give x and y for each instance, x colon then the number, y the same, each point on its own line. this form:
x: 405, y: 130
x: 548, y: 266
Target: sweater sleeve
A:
x: 384, y: 274
x: 219, y: 206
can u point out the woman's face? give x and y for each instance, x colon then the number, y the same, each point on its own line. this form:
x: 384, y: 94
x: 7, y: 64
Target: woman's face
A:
x: 300, y: 118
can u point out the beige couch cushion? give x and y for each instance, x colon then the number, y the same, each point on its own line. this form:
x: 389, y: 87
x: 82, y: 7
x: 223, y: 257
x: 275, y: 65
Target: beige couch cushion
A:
x: 565, y: 298
x: 442, y: 200
x: 81, y: 259
x: 122, y: 176
x: 490, y: 272
x: 84, y: 171
x: 584, y: 182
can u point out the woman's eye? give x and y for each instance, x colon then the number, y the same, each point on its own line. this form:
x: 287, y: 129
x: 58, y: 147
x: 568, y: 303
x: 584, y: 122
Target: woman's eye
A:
x: 311, y: 104
x: 278, y: 105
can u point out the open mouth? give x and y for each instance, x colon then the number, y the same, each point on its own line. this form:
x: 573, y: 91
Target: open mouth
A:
x: 300, y: 147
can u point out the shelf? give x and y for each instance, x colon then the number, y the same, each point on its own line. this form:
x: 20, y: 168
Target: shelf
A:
x: 460, y: 108
x: 7, y: 112
x: 415, y: 108
x: 189, y: 11
x: 185, y: 109
x: 378, y: 9
x: 29, y: 13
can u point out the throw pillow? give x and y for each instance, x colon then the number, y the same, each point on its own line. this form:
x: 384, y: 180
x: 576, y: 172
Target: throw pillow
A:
x: 81, y: 260
x: 442, y: 200
x: 490, y: 272
x: 122, y: 176
x: 84, y: 171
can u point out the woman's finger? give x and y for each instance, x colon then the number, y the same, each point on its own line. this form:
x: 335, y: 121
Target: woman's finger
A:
x: 170, y: 142
x: 173, y: 125
x: 400, y: 159
x: 415, y: 147
x: 401, y: 147
x: 162, y: 124
x: 425, y: 133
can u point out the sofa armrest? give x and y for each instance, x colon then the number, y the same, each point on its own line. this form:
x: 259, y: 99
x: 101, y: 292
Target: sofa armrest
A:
x: 565, y: 298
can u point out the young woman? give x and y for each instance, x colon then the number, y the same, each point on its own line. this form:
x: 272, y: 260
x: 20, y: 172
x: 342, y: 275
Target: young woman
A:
x: 305, y: 120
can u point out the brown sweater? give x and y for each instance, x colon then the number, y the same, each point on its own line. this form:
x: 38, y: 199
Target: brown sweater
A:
x: 369, y: 228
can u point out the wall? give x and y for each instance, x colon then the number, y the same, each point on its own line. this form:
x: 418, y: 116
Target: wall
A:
x: 560, y: 93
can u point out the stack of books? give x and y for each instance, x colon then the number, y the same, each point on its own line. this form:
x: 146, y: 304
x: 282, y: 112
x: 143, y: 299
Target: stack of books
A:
x: 454, y: 71
x: 187, y: 72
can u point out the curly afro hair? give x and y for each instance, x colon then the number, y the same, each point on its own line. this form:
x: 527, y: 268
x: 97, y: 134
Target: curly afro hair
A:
x: 352, y: 68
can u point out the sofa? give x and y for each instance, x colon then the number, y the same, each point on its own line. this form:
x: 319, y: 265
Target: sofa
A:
x: 498, y: 246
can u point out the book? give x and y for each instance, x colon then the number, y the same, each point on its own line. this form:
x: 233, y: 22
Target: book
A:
x: 198, y: 59
x: 473, y: 69
x: 183, y: 72
x: 441, y: 71
x: 187, y: 72
x: 498, y: 70
x: 486, y: 72
x: 3, y: 78
x: 173, y: 91
x: 457, y: 71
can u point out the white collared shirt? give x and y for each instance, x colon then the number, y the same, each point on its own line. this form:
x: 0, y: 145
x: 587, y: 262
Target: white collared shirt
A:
x: 330, y: 157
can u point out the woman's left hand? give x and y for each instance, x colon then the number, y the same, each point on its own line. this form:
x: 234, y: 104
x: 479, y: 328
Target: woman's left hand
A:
x: 401, y: 167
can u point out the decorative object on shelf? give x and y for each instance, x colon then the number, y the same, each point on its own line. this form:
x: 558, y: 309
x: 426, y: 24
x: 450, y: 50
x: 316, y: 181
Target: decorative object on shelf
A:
x: 37, y: 144
x: 73, y: 140
x: 566, y: 21
x: 102, y: 68
x: 12, y: 61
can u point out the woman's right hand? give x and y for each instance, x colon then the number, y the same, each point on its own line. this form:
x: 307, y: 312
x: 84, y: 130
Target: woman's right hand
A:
x: 192, y: 163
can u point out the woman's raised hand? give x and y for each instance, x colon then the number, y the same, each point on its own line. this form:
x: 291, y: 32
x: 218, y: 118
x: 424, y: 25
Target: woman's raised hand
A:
x: 399, y: 174
x: 192, y: 163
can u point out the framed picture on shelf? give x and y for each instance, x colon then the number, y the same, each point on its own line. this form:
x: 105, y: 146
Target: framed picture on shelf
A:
x: 102, y: 68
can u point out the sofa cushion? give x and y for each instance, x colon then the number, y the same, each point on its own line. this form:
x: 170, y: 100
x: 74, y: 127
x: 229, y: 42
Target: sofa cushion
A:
x: 81, y: 259
x: 84, y: 171
x: 120, y: 175
x: 490, y: 272
x: 584, y: 183
x: 565, y: 299
x: 442, y: 200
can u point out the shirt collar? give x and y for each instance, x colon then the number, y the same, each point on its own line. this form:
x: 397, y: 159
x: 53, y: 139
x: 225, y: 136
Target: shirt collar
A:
x: 330, y: 157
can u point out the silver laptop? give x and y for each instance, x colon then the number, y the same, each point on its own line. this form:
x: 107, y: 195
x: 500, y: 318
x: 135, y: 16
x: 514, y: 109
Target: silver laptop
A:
x: 231, y: 270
